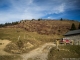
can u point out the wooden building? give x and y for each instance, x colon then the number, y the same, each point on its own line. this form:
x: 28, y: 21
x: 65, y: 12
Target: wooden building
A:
x: 74, y: 36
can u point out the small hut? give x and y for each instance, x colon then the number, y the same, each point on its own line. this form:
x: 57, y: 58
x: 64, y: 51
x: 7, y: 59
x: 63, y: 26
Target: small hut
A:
x: 74, y: 36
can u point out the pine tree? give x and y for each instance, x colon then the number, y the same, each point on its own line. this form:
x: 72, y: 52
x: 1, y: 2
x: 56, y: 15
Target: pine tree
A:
x: 79, y: 26
x: 61, y: 19
x: 73, y: 27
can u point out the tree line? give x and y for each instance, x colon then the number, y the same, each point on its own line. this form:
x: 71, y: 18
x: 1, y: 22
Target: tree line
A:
x: 8, y: 24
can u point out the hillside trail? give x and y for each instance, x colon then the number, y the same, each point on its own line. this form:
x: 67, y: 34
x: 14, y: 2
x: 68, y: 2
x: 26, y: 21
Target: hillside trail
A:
x: 40, y: 53
x: 3, y: 44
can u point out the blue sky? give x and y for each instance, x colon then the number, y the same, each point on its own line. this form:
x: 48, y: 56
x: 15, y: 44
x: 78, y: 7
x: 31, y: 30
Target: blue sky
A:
x: 15, y: 10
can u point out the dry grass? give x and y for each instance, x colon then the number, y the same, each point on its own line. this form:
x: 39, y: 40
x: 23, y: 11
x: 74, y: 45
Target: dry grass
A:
x: 12, y: 34
x: 33, y: 38
x: 47, y: 27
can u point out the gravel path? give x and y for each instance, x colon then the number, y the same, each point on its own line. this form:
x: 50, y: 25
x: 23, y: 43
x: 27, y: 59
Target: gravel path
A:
x: 40, y: 53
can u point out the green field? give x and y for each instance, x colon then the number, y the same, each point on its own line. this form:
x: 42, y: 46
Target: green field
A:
x: 10, y: 57
x: 12, y: 34
x: 65, y: 52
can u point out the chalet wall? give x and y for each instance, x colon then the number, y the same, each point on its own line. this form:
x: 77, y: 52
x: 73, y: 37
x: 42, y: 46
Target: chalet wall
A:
x: 75, y: 38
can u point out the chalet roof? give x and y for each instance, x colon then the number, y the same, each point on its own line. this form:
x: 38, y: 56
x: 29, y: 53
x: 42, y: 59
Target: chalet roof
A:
x: 73, y: 32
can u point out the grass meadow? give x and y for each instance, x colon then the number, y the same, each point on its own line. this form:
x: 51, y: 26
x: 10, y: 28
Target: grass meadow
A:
x: 65, y: 52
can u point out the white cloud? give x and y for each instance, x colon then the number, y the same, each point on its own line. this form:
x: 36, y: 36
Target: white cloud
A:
x: 28, y: 9
x: 58, y: 9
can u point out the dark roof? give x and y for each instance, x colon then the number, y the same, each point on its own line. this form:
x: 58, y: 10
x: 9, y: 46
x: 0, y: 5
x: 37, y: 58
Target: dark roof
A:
x: 73, y: 32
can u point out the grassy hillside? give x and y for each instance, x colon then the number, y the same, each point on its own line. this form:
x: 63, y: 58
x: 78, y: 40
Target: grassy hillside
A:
x: 65, y: 52
x: 28, y: 39
x: 11, y: 33
x: 46, y: 27
x: 14, y: 33
x: 34, y: 32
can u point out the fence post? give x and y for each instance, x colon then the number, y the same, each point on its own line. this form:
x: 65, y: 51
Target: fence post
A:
x: 57, y: 44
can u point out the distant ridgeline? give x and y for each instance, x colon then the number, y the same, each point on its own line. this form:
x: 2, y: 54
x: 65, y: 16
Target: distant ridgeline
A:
x: 8, y: 24
x: 45, y: 26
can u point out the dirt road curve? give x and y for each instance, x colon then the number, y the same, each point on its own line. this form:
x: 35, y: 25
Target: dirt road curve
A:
x: 3, y: 43
x: 40, y: 53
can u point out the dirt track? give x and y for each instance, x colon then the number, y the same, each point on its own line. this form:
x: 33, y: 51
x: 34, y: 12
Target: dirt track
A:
x: 3, y: 44
x: 40, y: 53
